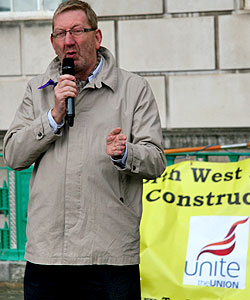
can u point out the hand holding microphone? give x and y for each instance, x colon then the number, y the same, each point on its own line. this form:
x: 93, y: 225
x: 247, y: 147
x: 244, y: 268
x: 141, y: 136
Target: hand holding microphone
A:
x: 66, y: 88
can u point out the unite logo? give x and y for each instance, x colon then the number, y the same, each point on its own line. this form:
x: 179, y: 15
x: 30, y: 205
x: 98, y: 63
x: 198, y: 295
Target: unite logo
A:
x: 217, y: 251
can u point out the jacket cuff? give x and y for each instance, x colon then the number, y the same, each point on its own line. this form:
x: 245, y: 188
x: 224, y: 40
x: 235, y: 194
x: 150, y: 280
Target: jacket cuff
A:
x: 133, y: 161
x: 42, y: 129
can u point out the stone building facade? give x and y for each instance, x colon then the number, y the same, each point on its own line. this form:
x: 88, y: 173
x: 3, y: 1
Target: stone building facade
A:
x: 194, y: 53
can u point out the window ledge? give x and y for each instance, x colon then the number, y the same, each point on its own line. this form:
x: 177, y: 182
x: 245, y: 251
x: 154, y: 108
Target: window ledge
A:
x: 27, y: 15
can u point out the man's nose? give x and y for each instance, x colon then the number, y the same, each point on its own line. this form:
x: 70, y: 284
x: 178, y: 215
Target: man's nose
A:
x: 69, y: 39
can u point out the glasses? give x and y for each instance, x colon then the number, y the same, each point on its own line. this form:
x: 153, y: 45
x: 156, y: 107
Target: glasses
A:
x: 75, y: 32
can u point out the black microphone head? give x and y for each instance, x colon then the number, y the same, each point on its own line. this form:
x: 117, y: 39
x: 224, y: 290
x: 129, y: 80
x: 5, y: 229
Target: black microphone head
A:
x: 68, y: 66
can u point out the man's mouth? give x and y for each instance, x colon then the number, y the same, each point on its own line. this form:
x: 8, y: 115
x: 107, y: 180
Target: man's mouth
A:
x: 71, y: 54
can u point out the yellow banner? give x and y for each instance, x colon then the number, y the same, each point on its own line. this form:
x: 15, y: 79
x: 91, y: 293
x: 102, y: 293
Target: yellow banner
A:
x: 195, y: 232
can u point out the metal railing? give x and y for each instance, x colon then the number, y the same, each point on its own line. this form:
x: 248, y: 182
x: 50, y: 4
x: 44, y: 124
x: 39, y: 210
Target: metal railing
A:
x: 204, y: 156
x: 14, y: 196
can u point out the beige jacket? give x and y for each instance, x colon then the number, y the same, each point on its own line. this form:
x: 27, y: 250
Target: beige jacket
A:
x: 83, y: 209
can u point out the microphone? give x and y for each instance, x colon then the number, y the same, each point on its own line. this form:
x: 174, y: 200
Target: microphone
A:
x: 69, y: 68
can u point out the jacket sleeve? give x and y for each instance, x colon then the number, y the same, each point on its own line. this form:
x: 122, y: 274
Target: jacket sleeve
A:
x: 29, y: 135
x: 146, y: 156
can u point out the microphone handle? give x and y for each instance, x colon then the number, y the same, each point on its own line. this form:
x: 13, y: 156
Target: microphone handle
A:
x: 70, y: 107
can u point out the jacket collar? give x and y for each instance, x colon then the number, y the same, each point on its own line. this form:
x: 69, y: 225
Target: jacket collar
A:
x: 109, y: 74
x: 52, y: 73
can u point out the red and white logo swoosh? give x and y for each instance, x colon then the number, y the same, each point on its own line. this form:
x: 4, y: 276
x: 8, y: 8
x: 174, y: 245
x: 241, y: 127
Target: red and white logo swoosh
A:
x: 226, y: 246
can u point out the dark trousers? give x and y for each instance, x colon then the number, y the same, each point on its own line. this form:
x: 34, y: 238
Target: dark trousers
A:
x: 96, y: 282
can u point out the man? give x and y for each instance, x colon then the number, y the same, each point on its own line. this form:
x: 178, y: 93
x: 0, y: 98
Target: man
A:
x: 86, y: 188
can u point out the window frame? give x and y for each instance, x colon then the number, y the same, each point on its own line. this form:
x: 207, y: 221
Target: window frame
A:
x: 40, y: 13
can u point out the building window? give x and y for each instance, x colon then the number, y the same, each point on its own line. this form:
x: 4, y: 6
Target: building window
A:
x: 4, y: 5
x: 30, y: 5
x: 22, y: 5
x: 51, y: 4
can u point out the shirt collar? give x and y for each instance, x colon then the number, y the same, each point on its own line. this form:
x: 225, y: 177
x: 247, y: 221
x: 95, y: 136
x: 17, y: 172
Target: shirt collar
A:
x: 96, y: 71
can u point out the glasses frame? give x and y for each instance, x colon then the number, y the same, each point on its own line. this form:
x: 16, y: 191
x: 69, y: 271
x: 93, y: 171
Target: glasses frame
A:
x: 53, y: 34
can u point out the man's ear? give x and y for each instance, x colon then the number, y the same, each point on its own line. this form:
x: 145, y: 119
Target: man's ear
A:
x: 52, y: 41
x: 98, y: 36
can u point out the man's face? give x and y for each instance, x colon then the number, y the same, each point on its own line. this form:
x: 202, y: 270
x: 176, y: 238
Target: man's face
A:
x: 81, y: 48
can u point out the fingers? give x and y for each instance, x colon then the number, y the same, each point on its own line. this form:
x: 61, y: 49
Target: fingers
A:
x: 66, y: 87
x: 112, y: 135
x: 116, y: 142
x: 115, y: 131
x: 116, y: 136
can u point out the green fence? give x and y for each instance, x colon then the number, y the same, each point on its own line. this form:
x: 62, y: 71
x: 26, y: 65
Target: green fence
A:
x: 14, y: 195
